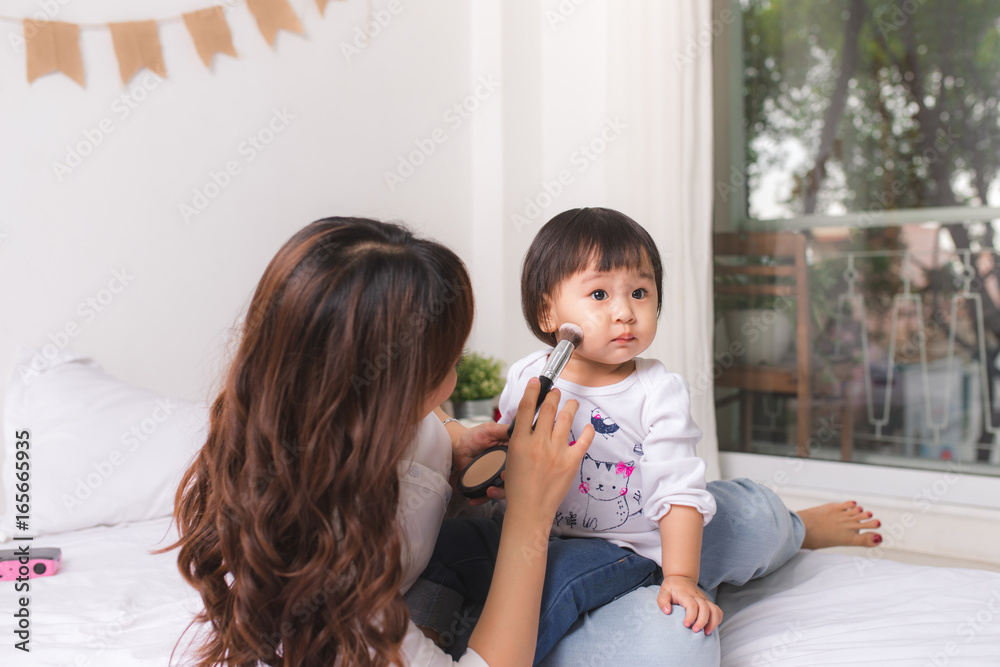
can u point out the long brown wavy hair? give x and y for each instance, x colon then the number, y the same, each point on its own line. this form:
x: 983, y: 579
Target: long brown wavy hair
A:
x: 287, y: 516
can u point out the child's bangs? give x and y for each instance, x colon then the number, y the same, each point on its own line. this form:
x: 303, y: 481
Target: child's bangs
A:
x: 611, y: 253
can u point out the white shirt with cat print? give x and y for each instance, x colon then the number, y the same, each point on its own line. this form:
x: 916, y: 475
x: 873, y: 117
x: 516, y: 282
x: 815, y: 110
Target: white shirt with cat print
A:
x: 642, y: 459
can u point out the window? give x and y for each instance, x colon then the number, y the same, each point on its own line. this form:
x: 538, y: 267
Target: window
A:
x: 872, y: 129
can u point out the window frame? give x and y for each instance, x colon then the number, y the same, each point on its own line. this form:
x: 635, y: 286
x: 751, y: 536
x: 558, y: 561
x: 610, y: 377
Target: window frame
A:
x: 729, y: 193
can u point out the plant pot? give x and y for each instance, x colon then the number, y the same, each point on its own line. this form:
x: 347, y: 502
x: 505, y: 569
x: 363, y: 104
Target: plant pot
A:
x: 764, y: 333
x: 482, y: 408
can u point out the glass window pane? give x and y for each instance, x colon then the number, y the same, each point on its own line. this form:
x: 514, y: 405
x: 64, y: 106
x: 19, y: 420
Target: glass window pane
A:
x: 855, y: 106
x: 852, y: 107
x: 902, y: 347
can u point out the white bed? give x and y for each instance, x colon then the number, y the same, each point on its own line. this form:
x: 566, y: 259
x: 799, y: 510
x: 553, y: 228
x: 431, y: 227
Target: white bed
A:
x: 113, y: 603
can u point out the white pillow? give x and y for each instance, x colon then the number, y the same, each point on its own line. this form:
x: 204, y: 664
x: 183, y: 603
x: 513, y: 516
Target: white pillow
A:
x: 102, y: 452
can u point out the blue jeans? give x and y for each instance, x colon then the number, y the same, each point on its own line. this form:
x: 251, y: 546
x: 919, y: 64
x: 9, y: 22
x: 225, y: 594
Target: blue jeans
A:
x: 602, y: 595
x: 580, y: 574
x: 751, y: 536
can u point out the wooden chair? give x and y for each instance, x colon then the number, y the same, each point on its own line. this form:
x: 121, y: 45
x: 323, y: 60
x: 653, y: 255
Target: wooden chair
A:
x: 784, y: 275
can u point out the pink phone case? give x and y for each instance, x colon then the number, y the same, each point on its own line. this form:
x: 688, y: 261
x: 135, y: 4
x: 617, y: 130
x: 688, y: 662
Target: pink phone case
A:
x: 42, y: 562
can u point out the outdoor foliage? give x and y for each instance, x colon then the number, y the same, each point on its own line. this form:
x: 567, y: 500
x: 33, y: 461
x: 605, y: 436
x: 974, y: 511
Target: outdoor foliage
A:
x: 895, y: 104
x: 865, y: 106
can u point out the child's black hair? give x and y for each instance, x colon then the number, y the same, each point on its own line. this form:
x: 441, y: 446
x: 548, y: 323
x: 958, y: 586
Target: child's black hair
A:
x: 573, y: 241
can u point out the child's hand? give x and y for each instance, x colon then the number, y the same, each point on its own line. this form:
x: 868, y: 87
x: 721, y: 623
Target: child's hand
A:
x: 701, y: 612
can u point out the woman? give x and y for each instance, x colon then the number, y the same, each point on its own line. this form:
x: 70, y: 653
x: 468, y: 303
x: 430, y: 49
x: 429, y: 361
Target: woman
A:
x: 317, y: 497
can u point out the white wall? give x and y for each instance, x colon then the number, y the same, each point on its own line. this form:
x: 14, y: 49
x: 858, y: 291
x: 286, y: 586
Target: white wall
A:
x: 63, y: 236
x: 118, y: 210
x: 555, y: 69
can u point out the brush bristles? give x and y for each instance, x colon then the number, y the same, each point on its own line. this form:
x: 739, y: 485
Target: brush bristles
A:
x: 570, y: 332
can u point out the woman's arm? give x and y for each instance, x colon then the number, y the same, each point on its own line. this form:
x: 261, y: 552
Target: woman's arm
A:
x: 467, y: 443
x: 540, y: 468
x: 455, y: 429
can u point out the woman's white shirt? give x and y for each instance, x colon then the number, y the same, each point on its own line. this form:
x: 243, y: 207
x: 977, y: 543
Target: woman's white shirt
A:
x: 424, y: 492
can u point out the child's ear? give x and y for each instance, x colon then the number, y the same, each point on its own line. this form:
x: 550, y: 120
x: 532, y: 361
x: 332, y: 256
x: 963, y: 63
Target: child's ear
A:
x: 547, y: 321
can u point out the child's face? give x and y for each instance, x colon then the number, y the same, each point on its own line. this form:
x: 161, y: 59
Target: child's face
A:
x: 616, y: 310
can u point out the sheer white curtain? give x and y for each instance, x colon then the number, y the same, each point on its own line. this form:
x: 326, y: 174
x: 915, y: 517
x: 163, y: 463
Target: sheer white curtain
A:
x: 660, y: 78
x: 568, y: 69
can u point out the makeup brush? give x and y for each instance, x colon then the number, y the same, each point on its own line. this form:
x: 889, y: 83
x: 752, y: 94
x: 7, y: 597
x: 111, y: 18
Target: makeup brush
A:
x: 569, y: 336
x: 486, y: 469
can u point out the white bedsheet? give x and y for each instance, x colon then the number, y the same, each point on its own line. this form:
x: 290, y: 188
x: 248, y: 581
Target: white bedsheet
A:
x: 111, y: 603
x: 115, y: 604
x: 829, y: 609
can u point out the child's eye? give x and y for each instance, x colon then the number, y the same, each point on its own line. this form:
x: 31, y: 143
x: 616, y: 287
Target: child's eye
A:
x: 639, y: 293
x: 599, y: 294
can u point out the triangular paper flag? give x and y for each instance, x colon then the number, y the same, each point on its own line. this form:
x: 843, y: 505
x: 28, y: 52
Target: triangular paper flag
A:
x: 137, y: 45
x: 210, y: 33
x: 52, y: 46
x: 272, y: 16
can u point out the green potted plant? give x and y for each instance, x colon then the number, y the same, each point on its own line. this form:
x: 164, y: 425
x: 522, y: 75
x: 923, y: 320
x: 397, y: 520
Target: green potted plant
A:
x: 480, y: 380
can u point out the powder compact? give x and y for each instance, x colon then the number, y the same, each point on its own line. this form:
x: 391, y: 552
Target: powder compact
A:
x: 483, y: 472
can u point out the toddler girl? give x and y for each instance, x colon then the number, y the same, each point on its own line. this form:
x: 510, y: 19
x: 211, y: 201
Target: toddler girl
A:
x: 641, y: 487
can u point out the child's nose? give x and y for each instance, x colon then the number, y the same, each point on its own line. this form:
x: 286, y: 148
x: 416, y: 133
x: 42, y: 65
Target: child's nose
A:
x: 624, y: 312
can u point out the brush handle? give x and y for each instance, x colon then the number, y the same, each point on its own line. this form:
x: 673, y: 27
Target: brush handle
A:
x: 543, y: 392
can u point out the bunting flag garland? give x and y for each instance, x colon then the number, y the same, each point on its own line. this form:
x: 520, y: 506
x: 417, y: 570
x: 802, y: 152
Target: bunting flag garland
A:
x: 53, y: 47
x: 272, y: 16
x: 137, y: 45
x: 210, y: 33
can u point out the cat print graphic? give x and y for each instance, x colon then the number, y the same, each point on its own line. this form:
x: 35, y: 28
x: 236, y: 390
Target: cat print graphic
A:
x: 606, y: 485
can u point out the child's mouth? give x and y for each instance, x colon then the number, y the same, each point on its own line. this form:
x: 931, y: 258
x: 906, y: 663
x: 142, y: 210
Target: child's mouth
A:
x: 625, y: 338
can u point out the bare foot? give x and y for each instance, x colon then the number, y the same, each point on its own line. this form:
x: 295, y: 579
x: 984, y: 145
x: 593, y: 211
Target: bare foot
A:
x: 839, y: 525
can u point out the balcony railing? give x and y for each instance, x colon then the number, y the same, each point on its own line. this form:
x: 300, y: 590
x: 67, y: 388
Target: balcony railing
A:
x: 905, y: 355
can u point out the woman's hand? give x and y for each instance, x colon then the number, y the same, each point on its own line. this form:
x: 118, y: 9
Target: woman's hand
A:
x: 475, y: 440
x: 540, y: 468
x: 701, y: 612
x: 540, y: 464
